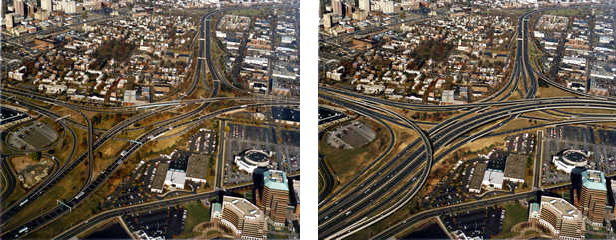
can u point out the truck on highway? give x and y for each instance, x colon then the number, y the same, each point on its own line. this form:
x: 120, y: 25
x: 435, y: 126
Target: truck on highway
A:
x: 24, y: 202
x: 79, y: 195
x: 23, y: 230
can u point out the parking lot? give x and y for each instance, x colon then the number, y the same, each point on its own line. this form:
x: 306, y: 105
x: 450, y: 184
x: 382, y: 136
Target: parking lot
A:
x: 32, y: 137
x: 165, y: 223
x: 240, y: 137
x: 599, y: 142
x: 203, y: 141
x: 482, y: 223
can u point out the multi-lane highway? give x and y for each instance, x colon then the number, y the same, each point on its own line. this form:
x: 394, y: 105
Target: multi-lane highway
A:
x: 98, y: 218
x: 388, y: 188
x: 188, y: 119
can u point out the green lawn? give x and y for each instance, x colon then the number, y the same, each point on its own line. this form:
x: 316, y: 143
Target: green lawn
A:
x: 515, y: 213
x: 345, y: 163
x: 247, y: 12
x: 277, y: 236
x: 197, y: 213
x: 566, y: 12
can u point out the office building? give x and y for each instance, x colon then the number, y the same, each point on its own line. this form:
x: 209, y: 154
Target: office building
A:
x: 275, y: 196
x: 327, y: 21
x: 297, y: 198
x: 337, y: 7
x: 387, y: 7
x: 9, y: 20
x: 348, y: 10
x: 561, y: 218
x: 242, y: 217
x: 31, y: 9
x: 46, y: 5
x: 3, y: 6
x: 19, y: 7
x: 364, y: 5
x: 592, y: 198
x: 69, y: 7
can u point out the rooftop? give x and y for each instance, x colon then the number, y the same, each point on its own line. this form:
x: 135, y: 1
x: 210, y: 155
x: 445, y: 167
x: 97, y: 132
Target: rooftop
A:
x: 477, y: 178
x: 515, y: 166
x: 275, y: 179
x: 159, y: 177
x: 175, y: 178
x: 216, y: 208
x: 197, y: 166
x: 593, y: 179
x: 245, y: 206
x: 565, y: 208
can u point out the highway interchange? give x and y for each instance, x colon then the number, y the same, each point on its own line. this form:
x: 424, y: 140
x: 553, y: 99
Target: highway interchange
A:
x: 373, y: 194
x: 380, y: 192
x: 189, y: 119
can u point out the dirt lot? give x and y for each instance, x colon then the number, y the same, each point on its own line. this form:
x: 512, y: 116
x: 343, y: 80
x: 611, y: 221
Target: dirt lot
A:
x: 21, y: 162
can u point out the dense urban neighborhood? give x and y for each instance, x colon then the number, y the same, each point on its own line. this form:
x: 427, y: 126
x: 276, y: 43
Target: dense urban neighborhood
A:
x: 467, y: 119
x: 131, y: 119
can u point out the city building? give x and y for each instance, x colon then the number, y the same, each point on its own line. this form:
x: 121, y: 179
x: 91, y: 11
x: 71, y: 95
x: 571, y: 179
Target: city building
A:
x: 348, y: 10
x: 251, y: 159
x: 31, y: 9
x: 175, y: 179
x: 197, y: 168
x: 245, y: 219
x: 327, y: 21
x: 69, y: 7
x: 448, y: 96
x: 46, y: 5
x: 158, y: 183
x: 515, y: 168
x: 3, y: 7
x: 612, y: 199
x: 387, y: 7
x: 297, y: 198
x: 364, y: 5
x: 476, y: 179
x: 275, y: 196
x: 19, y: 7
x: 592, y: 197
x: 493, y: 179
x: 562, y: 219
x: 570, y: 159
x: 337, y: 7
x: 9, y: 20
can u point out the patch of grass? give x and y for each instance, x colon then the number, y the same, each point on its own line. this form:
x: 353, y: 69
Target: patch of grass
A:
x: 566, y: 12
x: 346, y: 162
x: 595, y: 236
x: 63, y: 190
x: 17, y: 193
x: 277, y: 236
x: 514, y: 214
x: 545, y: 92
x: 247, y: 12
x: 197, y: 213
x: 87, y: 208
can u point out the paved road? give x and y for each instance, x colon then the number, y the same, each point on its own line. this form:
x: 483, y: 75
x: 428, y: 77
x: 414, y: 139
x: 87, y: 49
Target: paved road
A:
x: 356, y: 210
x: 46, y: 217
x: 98, y: 218
x: 326, y: 195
